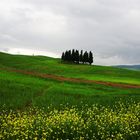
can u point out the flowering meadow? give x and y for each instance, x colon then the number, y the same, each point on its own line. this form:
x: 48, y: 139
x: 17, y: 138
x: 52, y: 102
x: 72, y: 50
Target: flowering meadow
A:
x: 122, y: 121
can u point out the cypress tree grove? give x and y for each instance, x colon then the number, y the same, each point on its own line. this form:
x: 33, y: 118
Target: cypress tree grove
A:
x: 75, y: 57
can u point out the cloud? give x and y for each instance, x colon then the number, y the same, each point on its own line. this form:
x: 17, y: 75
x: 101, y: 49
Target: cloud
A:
x: 109, y: 28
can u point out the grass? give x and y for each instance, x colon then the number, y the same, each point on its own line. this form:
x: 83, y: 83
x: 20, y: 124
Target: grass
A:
x: 19, y: 91
x: 54, y: 66
x: 34, y: 107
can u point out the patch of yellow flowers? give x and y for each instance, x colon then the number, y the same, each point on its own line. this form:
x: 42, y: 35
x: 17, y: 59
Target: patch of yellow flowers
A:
x: 89, y: 123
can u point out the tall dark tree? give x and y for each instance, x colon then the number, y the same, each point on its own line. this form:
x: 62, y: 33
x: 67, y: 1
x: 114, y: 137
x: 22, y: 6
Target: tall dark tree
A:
x: 77, y: 56
x: 66, y: 55
x: 63, y: 56
x: 90, y: 59
x: 73, y: 55
x: 69, y: 55
x: 85, y: 57
x: 81, y: 56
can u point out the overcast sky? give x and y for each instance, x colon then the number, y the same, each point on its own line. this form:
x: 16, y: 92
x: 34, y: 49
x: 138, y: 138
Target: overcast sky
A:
x: 109, y: 28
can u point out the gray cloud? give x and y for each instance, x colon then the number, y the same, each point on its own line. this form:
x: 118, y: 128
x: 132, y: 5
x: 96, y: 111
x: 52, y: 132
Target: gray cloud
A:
x: 111, y: 29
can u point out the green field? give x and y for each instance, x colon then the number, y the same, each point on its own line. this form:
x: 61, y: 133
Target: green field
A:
x: 20, y: 91
x: 54, y: 66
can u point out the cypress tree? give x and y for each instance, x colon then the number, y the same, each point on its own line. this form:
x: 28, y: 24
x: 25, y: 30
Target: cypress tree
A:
x: 63, y: 56
x: 73, y: 55
x: 81, y: 56
x: 69, y: 55
x: 85, y: 57
x: 77, y: 56
x: 90, y: 58
x: 66, y: 55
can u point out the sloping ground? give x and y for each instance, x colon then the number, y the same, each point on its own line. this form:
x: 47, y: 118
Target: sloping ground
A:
x: 51, y: 66
x: 41, y: 81
x: 74, y: 80
x: 45, y: 67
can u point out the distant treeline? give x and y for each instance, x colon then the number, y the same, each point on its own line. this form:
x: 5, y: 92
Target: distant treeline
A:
x: 76, y: 57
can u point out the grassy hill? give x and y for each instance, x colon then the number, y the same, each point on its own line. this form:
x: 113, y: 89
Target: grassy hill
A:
x: 43, y: 98
x: 53, y: 66
x: 21, y: 88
